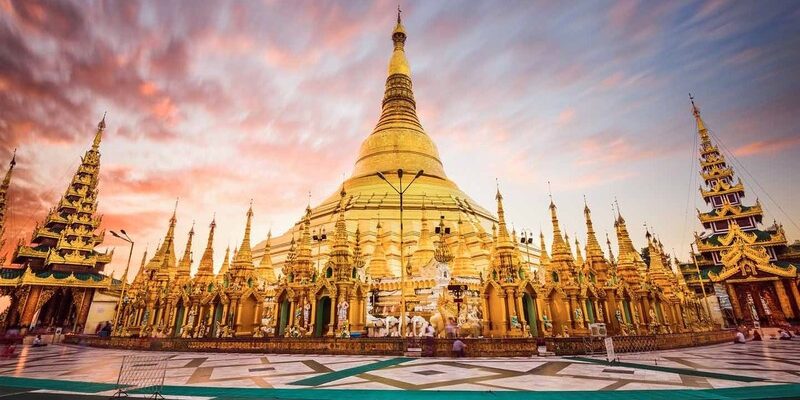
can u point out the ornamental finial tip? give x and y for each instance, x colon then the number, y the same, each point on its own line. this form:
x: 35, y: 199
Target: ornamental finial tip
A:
x: 399, y: 11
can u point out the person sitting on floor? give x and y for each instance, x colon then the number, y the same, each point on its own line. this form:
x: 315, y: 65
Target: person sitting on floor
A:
x: 756, y: 335
x: 783, y: 335
x: 38, y: 342
x: 458, y: 348
x: 739, y: 337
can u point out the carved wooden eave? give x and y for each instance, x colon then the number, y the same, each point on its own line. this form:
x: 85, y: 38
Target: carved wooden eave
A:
x: 746, y: 258
x: 28, y: 278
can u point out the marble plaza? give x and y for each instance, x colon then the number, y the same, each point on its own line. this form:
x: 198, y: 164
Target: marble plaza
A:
x: 755, y: 370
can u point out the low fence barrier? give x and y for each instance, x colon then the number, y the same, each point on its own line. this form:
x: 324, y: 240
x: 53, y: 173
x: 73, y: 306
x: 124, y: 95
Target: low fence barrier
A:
x: 636, y: 344
x: 486, y: 347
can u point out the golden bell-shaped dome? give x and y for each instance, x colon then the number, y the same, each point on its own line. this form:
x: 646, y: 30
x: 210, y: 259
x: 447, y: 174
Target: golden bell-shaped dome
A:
x: 398, y: 140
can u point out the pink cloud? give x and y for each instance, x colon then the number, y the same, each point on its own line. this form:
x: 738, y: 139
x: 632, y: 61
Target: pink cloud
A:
x: 771, y: 146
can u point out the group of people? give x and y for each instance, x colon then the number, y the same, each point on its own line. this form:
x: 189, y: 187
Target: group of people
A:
x: 742, y: 334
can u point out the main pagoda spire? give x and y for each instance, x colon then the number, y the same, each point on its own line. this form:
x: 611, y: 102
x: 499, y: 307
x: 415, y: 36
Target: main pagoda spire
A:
x: 4, y: 205
x: 66, y: 239
x: 398, y: 135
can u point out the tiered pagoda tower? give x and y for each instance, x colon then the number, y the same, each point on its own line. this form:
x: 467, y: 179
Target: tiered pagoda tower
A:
x: 751, y: 262
x: 4, y: 206
x: 54, y: 277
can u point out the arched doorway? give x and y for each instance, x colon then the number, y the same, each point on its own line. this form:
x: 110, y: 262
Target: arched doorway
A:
x: 216, y: 317
x: 283, y: 315
x: 180, y: 312
x: 247, y: 314
x: 57, y: 311
x: 529, y: 308
x: 323, y: 318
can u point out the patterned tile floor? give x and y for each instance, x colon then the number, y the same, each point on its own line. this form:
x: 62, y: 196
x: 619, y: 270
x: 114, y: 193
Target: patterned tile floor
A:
x: 713, y: 367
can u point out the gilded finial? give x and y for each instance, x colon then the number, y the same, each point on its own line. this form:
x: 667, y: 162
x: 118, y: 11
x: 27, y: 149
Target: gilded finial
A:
x: 102, y: 124
x: 399, y: 11
x: 550, y: 193
x: 13, y: 159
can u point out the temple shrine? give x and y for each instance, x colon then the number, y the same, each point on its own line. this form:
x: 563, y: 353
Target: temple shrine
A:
x: 750, y: 263
x: 367, y: 257
x: 52, y: 279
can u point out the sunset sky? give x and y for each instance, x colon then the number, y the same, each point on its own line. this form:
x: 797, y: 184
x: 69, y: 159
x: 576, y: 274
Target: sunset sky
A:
x: 218, y: 102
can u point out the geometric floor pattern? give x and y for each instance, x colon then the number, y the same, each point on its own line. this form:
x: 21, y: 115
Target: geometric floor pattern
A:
x: 722, y: 366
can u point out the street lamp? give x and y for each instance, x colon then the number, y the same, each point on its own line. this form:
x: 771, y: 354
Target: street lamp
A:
x: 527, y: 240
x: 124, y: 236
x: 319, y: 238
x: 400, y: 191
x: 700, y: 278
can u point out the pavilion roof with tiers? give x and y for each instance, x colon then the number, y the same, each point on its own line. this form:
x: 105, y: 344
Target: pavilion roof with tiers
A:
x: 729, y: 221
x: 62, y: 247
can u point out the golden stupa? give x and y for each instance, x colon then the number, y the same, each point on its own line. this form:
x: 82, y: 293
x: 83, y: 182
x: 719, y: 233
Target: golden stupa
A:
x: 397, y: 142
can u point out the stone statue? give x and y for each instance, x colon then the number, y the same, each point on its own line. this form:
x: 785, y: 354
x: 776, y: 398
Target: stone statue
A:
x: 341, y: 313
x: 547, y: 324
x: 515, y: 322
x: 653, y: 319
x: 578, y: 315
x: 306, y: 312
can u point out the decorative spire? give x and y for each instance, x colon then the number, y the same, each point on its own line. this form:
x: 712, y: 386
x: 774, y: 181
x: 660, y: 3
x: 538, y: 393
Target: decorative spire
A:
x: 245, y: 254
x: 185, y: 265
x: 578, y: 255
x: 341, y: 257
x: 265, y: 268
x: 303, y: 263
x: 398, y: 63
x: 206, y: 268
x: 463, y: 265
x: 502, y: 234
x: 544, y: 259
x: 701, y: 126
x: 610, y: 252
x: 377, y: 265
x: 594, y: 253
x: 101, y: 126
x: 226, y: 264
x: 425, y: 249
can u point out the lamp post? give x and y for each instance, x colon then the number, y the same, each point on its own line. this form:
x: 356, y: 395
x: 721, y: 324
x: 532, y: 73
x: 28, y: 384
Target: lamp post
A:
x: 527, y: 240
x: 319, y: 238
x: 400, y: 191
x: 124, y: 236
x: 700, y: 278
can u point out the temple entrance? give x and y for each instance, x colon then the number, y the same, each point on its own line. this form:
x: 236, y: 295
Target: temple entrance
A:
x: 177, y: 328
x: 247, y: 315
x: 529, y: 308
x: 322, y: 318
x: 58, y: 311
x: 283, y: 317
x: 759, y: 302
x: 216, y: 319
